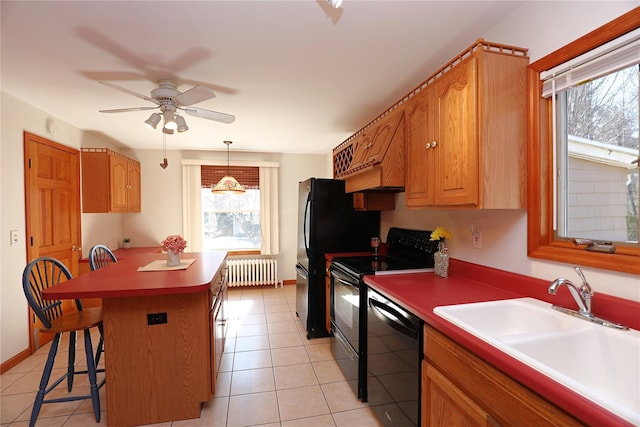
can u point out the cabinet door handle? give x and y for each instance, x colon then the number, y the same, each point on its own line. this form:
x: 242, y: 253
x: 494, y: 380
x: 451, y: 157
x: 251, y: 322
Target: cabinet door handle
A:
x: 430, y: 145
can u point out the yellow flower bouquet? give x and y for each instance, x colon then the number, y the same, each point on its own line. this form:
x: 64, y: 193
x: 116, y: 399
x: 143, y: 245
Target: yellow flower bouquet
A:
x: 440, y: 233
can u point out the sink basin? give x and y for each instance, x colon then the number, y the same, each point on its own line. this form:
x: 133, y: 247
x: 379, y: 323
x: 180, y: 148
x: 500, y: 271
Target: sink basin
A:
x: 509, y: 318
x: 600, y: 363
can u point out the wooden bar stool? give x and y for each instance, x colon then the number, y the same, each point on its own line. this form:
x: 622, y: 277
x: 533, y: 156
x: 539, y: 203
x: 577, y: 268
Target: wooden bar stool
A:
x: 38, y: 275
x: 100, y: 256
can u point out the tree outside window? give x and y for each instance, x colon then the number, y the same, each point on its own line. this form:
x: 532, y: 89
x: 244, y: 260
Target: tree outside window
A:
x: 231, y: 221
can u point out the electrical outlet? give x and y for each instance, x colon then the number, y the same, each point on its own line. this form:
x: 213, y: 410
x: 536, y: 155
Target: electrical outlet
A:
x: 15, y: 237
x: 156, y: 318
x: 476, y: 238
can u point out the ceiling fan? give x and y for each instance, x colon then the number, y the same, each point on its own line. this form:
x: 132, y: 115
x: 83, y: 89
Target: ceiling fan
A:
x: 169, y: 100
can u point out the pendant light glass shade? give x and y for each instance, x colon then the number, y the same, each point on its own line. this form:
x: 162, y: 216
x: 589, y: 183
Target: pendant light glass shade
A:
x: 228, y: 184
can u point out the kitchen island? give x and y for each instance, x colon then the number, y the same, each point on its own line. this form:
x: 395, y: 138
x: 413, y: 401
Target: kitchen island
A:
x: 157, y: 334
x: 420, y: 293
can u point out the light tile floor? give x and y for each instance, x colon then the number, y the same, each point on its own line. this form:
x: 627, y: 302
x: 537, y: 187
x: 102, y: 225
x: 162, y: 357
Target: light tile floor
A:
x: 270, y: 375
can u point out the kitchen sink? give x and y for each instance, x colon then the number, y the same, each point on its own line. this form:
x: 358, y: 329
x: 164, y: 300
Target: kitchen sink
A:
x: 600, y: 363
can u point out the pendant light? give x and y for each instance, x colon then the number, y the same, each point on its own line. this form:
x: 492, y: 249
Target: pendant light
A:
x: 228, y: 184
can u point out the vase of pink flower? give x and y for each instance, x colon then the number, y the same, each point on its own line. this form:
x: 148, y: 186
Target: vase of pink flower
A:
x: 174, y: 245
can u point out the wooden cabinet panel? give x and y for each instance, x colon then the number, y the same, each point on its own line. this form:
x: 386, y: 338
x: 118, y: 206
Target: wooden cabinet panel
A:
x: 110, y: 182
x: 458, y: 386
x: 134, y: 194
x: 118, y: 178
x: 466, y: 132
x: 218, y: 296
x: 151, y: 358
x: 374, y: 201
x: 456, y: 136
x: 420, y: 155
x: 444, y: 404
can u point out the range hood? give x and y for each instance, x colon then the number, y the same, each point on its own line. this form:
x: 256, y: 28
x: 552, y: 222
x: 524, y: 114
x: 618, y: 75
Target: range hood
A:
x: 373, y: 158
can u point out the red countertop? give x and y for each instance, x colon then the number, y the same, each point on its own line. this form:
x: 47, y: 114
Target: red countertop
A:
x: 122, y: 253
x: 422, y: 292
x: 122, y: 279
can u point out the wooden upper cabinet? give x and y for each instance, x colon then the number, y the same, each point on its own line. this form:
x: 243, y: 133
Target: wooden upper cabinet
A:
x: 110, y: 182
x: 466, y: 132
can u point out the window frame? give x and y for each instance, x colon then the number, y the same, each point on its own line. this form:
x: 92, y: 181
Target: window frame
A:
x: 541, y: 242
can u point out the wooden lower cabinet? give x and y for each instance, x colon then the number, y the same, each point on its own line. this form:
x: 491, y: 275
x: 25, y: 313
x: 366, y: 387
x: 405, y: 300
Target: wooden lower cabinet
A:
x: 460, y: 389
x: 444, y: 404
x: 158, y: 372
x: 218, y: 316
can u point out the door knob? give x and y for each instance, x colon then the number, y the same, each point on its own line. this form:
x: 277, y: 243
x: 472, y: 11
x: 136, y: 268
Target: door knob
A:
x: 75, y: 248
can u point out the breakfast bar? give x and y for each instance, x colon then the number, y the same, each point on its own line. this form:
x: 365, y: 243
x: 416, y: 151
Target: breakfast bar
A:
x: 157, y: 333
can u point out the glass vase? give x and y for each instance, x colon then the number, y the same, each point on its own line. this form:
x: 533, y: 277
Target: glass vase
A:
x: 173, y: 258
x: 441, y: 261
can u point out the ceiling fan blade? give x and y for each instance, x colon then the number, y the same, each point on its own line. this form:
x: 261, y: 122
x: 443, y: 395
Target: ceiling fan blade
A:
x: 124, y: 110
x: 130, y: 92
x: 194, y: 95
x: 211, y: 115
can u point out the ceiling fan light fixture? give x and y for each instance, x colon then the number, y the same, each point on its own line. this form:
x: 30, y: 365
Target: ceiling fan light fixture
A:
x: 167, y: 131
x: 228, y: 184
x: 169, y: 120
x: 335, y: 3
x: 153, y: 120
x: 181, y: 124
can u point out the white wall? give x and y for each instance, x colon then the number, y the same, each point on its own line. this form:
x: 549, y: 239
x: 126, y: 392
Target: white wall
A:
x: 17, y: 117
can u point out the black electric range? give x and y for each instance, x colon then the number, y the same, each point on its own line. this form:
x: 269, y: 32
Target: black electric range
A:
x: 407, y: 251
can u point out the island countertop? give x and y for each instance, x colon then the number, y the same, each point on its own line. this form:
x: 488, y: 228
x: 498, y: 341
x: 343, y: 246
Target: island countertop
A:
x: 125, y: 280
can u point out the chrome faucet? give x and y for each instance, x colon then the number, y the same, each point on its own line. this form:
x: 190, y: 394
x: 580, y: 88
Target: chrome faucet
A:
x: 582, y: 296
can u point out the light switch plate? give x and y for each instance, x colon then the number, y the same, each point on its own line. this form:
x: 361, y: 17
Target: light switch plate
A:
x: 15, y: 237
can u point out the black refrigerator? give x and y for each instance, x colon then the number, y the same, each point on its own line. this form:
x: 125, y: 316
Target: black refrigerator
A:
x: 327, y: 223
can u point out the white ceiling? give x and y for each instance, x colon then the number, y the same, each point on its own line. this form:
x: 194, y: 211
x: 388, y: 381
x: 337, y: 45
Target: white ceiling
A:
x: 299, y: 76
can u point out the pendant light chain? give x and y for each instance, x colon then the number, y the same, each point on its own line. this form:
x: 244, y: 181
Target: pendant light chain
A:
x: 228, y: 184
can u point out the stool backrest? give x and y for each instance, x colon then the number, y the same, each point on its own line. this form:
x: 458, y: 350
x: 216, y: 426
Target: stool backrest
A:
x: 100, y: 256
x: 38, y: 275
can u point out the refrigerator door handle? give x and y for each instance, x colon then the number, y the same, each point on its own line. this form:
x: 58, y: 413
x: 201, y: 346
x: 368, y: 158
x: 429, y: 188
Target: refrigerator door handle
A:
x: 305, y: 221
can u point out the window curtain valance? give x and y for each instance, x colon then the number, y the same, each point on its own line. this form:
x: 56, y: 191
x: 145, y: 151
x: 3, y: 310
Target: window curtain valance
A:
x: 247, y: 176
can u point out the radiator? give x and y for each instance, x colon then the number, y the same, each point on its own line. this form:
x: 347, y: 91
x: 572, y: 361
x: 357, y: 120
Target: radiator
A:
x: 252, y: 272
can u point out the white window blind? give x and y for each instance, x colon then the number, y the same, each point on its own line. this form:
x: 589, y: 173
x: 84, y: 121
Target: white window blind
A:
x: 616, y: 55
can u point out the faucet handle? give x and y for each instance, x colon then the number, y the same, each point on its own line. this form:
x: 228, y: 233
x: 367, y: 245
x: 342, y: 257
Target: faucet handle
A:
x: 586, y: 287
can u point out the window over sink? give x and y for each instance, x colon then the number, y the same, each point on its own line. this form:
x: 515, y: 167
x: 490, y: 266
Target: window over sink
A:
x: 583, y: 157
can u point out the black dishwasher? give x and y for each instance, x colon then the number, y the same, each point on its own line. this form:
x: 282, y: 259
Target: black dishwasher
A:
x: 394, y: 353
